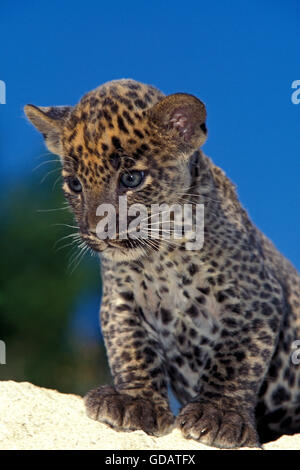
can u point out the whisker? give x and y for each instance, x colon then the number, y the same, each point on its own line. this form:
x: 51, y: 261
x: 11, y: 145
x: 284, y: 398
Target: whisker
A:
x: 149, y: 216
x: 41, y: 155
x: 44, y: 163
x: 48, y: 174
x: 52, y: 210
x: 55, y: 182
x: 73, y: 235
x: 175, y: 242
x: 79, y: 258
x: 73, y: 242
x: 76, y: 255
x: 66, y: 225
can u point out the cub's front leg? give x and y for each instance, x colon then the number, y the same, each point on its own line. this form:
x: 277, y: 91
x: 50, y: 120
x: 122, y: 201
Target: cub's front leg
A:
x: 139, y: 398
x: 222, y: 413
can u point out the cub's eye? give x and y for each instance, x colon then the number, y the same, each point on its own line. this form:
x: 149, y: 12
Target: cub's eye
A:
x: 132, y: 179
x: 74, y: 184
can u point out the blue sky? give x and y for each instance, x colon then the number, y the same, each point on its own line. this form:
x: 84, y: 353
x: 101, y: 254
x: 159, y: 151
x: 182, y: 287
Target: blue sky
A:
x: 239, y: 57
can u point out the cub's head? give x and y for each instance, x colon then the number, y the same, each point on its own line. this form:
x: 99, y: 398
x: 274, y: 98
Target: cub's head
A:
x: 122, y: 139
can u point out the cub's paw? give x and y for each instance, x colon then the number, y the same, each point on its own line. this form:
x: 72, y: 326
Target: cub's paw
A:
x: 214, y: 426
x: 126, y: 413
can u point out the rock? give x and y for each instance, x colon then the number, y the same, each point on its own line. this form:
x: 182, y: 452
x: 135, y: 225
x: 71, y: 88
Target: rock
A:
x: 32, y: 417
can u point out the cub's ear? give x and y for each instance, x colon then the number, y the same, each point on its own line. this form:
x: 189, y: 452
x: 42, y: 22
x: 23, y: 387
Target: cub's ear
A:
x: 182, y: 116
x: 49, y: 121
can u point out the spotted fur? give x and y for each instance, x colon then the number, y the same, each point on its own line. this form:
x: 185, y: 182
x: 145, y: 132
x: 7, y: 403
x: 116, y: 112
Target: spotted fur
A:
x: 218, y: 323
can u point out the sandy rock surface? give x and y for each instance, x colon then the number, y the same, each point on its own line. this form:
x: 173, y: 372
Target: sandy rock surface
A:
x: 37, y: 418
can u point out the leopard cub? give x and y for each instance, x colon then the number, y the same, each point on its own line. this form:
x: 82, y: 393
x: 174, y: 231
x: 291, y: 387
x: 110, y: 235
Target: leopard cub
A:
x: 216, y: 322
